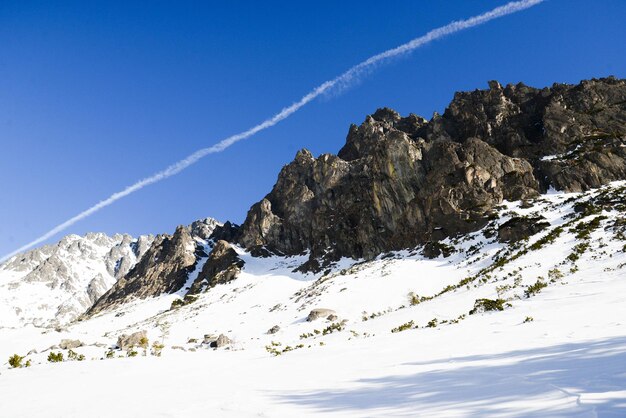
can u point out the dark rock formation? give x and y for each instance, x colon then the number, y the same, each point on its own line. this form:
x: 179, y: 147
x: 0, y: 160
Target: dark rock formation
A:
x: 400, y: 182
x: 164, y: 268
x: 519, y: 228
x: 582, y: 125
x: 222, y: 266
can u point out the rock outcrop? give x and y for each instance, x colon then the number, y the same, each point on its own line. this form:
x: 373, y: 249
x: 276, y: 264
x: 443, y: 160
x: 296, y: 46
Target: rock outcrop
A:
x: 222, y: 266
x: 520, y: 228
x: 164, y: 268
x: 403, y: 181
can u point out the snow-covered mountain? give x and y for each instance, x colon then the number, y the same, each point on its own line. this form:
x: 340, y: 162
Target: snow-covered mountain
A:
x: 54, y: 284
x: 521, y: 318
x: 430, y: 268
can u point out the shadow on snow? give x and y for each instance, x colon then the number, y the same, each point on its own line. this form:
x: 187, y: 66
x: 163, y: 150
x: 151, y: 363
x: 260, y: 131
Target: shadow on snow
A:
x: 542, y: 382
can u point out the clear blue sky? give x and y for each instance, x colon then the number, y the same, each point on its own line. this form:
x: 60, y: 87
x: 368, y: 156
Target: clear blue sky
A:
x: 96, y: 95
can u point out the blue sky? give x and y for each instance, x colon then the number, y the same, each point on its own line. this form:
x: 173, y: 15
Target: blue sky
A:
x: 96, y: 95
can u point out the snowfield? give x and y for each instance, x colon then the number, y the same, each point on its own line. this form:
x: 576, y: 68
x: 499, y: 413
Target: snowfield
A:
x: 403, y: 342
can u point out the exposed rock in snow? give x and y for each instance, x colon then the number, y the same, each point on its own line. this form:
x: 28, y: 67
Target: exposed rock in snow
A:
x: 165, y: 268
x: 136, y: 339
x: 222, y: 266
x: 319, y: 313
x: 399, y: 182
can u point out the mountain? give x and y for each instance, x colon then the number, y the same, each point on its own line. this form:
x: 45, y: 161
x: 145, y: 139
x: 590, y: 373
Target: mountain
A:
x: 467, y: 265
x: 403, y: 181
x: 509, y: 320
x: 54, y: 284
x: 166, y: 266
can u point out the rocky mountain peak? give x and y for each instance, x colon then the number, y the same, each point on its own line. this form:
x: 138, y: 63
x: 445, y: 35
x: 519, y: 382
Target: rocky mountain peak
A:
x: 165, y: 266
x: 403, y: 181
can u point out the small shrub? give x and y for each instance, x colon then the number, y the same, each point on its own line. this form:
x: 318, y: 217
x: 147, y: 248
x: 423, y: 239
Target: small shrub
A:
x: 132, y: 352
x: 55, y: 357
x: 535, y: 288
x: 484, y: 305
x: 555, y: 274
x: 529, y: 319
x: 272, y: 350
x: 15, y: 361
x: 74, y: 356
x: 177, y: 303
x: 143, y: 342
x: 156, y: 349
x: 414, y: 299
x: 335, y: 326
x: 432, y: 323
x: 110, y: 353
x: 403, y: 327
x: 547, y: 239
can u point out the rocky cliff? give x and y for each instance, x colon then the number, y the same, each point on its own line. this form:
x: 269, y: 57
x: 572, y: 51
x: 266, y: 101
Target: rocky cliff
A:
x: 164, y: 268
x: 403, y: 181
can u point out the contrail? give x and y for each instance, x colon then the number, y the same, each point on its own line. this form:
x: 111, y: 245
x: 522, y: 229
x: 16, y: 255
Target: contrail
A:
x: 342, y: 81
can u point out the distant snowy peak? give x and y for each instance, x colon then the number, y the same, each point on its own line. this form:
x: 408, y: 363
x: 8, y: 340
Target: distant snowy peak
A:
x: 53, y: 284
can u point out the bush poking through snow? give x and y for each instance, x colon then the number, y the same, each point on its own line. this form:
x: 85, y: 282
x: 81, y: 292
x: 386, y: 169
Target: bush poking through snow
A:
x: 156, y: 349
x: 533, y: 289
x: 74, y: 356
x: 528, y: 319
x: 177, y: 303
x: 485, y: 305
x: 335, y: 326
x: 414, y: 299
x: 55, y: 357
x: 403, y: 327
x: 15, y: 361
x: 432, y: 323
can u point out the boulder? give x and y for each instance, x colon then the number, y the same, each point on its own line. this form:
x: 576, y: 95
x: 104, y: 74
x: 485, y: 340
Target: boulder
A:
x: 67, y: 344
x: 319, y: 313
x: 126, y: 342
x: 273, y: 330
x: 519, y: 228
x: 221, y: 341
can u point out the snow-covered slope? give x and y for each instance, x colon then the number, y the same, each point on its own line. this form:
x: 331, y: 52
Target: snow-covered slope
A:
x: 546, y: 336
x: 54, y: 284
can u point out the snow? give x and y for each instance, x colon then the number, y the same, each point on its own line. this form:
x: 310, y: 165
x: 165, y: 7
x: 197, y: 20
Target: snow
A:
x: 569, y: 361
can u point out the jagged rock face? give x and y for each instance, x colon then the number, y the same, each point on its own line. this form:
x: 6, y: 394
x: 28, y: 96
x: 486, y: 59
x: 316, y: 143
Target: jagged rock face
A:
x: 390, y: 192
x: 582, y: 126
x: 204, y: 228
x: 164, y: 268
x: 54, y: 284
x: 399, y: 182
x: 222, y: 266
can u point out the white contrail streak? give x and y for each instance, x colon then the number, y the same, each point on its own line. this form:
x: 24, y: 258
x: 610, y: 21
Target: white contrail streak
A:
x: 341, y: 81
